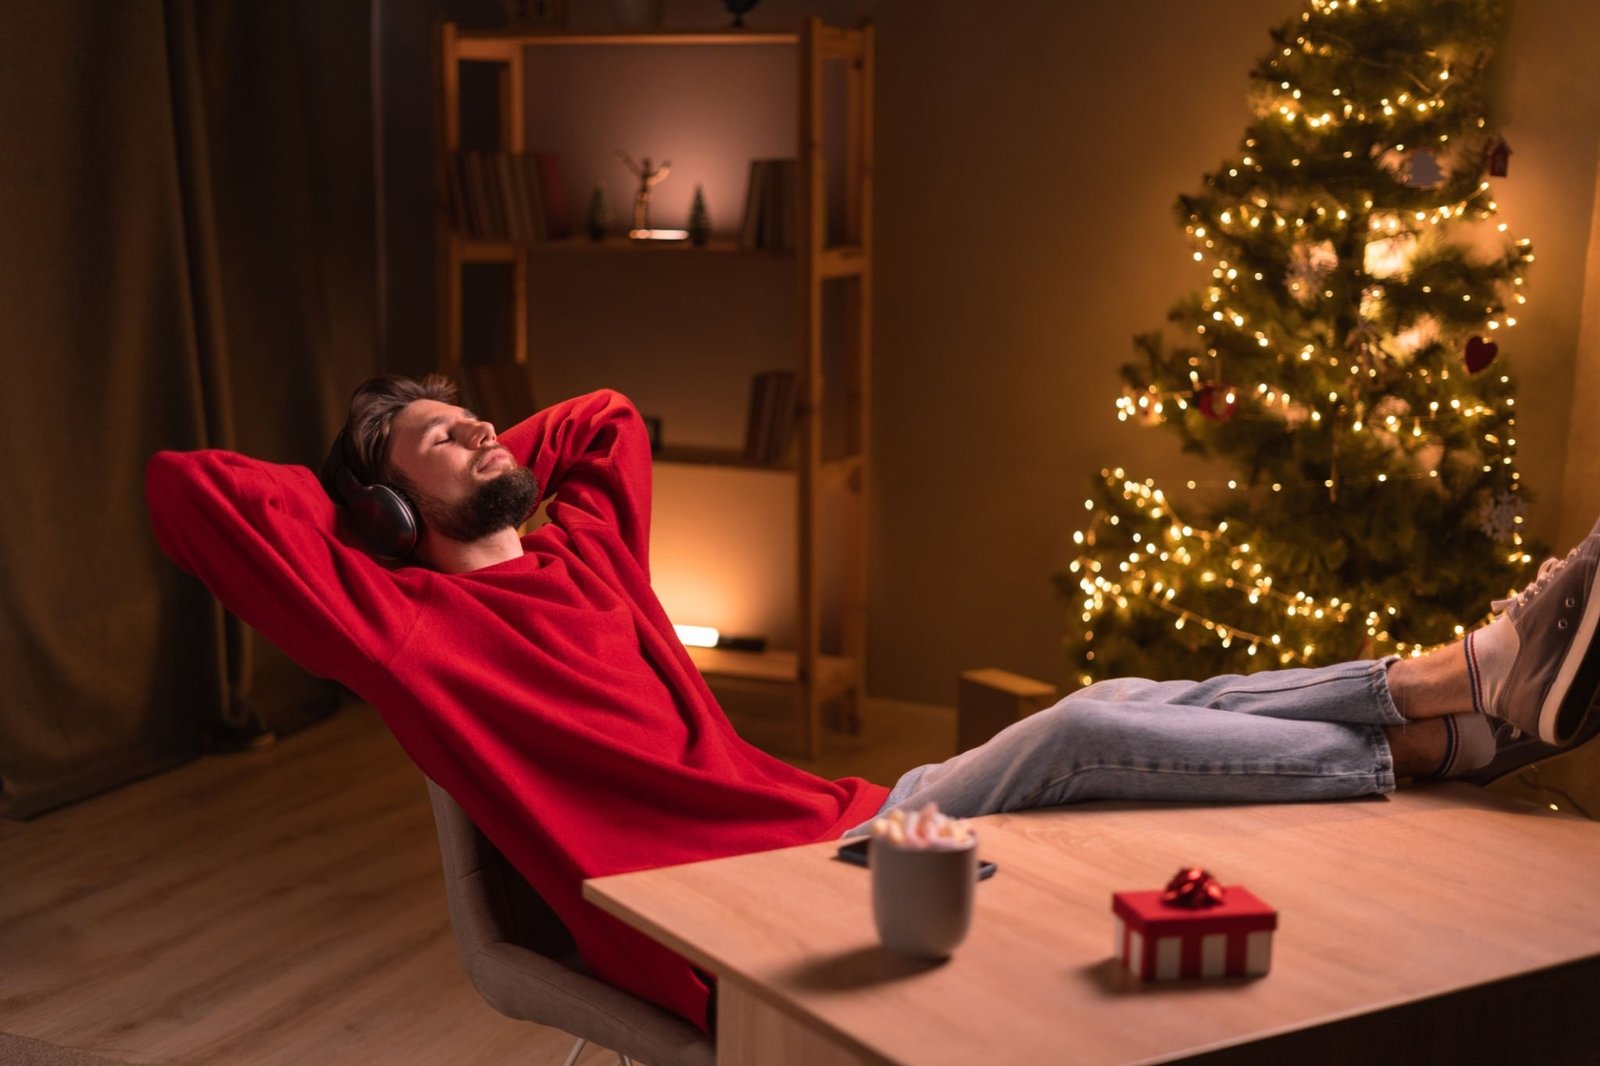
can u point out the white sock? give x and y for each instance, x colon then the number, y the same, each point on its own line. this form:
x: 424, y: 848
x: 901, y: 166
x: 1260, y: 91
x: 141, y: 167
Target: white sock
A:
x: 1490, y: 652
x: 1469, y: 744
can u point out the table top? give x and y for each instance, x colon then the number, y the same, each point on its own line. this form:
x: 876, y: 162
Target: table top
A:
x: 1381, y: 902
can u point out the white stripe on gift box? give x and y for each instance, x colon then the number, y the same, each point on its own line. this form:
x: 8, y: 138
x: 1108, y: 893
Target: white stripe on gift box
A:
x: 1213, y: 954
x: 1258, y: 951
x: 1128, y: 945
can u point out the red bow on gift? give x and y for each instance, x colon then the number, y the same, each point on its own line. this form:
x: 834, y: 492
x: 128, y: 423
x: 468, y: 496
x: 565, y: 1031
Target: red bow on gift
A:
x: 1192, y: 887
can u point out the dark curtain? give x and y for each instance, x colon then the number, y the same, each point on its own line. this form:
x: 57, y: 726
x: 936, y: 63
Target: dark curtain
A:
x: 187, y: 259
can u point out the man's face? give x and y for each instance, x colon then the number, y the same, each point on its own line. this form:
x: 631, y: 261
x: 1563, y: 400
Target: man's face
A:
x: 465, y: 483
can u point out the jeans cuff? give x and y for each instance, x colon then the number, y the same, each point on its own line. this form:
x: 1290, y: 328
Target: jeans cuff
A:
x: 1378, y: 678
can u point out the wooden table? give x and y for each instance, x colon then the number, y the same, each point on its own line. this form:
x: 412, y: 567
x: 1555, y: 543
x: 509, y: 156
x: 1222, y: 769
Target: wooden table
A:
x: 1488, y: 909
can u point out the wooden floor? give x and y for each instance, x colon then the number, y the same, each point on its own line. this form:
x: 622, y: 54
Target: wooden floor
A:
x: 287, y: 906
x: 282, y: 907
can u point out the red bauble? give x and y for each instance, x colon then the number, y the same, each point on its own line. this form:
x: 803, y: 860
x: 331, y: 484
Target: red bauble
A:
x: 1480, y: 353
x: 1216, y: 401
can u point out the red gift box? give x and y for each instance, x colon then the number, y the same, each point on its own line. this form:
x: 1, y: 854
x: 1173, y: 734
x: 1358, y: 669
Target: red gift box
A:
x: 1194, y: 929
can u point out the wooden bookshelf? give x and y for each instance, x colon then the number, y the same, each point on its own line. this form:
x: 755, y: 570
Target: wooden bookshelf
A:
x: 834, y: 674
x: 814, y: 674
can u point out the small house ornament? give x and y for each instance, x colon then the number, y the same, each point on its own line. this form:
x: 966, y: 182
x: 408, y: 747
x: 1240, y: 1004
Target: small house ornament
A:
x: 1499, y: 157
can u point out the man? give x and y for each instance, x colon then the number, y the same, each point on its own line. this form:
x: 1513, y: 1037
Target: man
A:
x: 538, y: 680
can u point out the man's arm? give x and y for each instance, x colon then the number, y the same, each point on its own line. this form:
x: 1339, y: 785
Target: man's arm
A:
x: 263, y: 538
x: 593, y: 454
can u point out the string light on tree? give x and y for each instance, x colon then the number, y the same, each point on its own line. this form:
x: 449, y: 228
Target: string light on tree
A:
x: 1346, y: 360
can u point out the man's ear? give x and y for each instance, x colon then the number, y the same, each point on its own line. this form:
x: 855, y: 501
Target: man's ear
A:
x: 382, y: 517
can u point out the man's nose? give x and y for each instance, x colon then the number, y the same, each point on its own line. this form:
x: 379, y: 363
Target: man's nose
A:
x: 480, y: 434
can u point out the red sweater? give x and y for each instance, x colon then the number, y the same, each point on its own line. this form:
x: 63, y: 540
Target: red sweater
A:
x: 548, y: 694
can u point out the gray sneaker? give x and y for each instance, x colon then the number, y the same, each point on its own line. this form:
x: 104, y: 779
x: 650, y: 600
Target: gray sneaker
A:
x: 1537, y: 666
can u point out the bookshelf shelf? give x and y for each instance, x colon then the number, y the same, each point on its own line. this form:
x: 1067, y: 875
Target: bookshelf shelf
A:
x: 687, y: 455
x: 479, y: 250
x: 717, y: 246
x: 830, y: 179
x: 833, y: 675
x: 846, y: 473
x: 842, y: 261
x: 492, y: 45
x: 831, y: 474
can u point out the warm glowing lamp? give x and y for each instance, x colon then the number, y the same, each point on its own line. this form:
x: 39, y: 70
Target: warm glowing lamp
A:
x: 698, y: 636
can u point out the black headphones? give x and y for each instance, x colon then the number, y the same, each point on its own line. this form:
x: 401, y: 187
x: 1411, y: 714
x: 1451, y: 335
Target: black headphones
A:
x: 386, y: 522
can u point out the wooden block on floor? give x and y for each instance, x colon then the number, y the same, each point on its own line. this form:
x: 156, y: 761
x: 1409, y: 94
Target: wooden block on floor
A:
x: 988, y: 700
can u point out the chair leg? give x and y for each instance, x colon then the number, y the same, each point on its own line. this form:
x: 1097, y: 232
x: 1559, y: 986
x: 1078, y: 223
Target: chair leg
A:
x: 577, y: 1049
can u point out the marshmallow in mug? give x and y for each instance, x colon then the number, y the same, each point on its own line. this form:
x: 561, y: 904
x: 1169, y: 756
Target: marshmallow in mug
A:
x: 926, y: 828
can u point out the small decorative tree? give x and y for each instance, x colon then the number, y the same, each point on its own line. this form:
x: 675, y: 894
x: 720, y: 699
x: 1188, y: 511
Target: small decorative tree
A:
x: 598, y: 219
x: 699, y: 219
x: 1342, y: 359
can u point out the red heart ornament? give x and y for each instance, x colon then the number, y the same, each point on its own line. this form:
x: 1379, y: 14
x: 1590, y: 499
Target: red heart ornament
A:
x: 1480, y: 353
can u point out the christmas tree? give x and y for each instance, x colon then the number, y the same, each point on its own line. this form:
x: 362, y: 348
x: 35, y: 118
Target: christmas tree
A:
x: 1341, y: 364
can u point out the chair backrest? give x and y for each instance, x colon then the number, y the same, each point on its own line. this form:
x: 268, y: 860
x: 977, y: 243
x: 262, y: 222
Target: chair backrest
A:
x: 489, y: 901
x: 522, y: 960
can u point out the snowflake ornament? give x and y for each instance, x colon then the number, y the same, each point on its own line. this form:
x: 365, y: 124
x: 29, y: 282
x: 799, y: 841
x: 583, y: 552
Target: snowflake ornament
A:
x: 1497, y: 516
x: 1309, y: 267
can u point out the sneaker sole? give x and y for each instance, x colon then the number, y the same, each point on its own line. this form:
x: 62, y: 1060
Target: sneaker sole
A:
x: 1574, y: 689
x: 1527, y: 749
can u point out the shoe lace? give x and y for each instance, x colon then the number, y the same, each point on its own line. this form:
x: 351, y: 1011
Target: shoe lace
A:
x: 1547, y: 570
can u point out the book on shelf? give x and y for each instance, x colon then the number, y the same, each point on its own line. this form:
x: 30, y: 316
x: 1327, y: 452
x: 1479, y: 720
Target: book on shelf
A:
x: 508, y: 196
x: 771, y: 418
x: 494, y: 196
x: 771, y: 206
x: 552, y: 195
x: 750, y: 226
x: 518, y: 212
x: 474, y: 202
x: 525, y: 187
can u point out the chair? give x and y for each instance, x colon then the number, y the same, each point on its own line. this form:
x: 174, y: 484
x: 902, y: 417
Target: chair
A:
x: 521, y: 958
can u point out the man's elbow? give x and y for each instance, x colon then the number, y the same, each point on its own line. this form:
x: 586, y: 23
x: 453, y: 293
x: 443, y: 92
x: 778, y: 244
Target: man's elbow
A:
x: 609, y: 400
x: 163, y: 472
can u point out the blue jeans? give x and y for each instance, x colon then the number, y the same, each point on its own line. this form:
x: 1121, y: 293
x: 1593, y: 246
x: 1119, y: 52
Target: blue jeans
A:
x: 1281, y: 735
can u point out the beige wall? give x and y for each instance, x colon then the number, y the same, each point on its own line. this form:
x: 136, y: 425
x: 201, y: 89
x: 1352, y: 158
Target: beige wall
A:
x: 1581, y: 496
x: 1552, y: 102
x: 1029, y: 154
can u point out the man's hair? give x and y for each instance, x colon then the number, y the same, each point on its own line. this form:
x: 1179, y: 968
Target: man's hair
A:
x: 372, y: 411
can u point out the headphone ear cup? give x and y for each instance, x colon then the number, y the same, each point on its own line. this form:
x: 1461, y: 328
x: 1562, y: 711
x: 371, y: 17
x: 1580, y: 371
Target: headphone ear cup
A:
x: 381, y: 516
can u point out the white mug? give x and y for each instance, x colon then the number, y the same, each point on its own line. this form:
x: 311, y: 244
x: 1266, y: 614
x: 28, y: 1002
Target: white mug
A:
x: 922, y: 897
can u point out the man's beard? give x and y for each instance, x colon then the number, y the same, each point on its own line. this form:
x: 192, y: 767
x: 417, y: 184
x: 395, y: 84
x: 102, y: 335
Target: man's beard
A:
x: 500, y: 503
